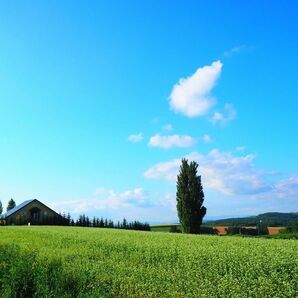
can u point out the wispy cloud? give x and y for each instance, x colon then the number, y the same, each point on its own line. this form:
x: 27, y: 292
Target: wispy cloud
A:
x: 234, y: 50
x: 135, y: 138
x: 207, y: 139
x: 133, y: 204
x: 168, y: 127
x: 240, y: 148
x: 224, y: 117
x: 191, y: 96
x: 106, y: 199
x: 170, y: 141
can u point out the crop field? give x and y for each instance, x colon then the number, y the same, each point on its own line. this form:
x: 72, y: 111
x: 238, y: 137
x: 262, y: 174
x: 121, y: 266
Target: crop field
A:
x: 94, y: 262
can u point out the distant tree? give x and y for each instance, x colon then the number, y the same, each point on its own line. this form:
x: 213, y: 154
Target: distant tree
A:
x: 262, y: 228
x: 68, y: 219
x: 11, y: 204
x: 88, y: 222
x: 94, y: 222
x: 111, y: 224
x: 124, y: 223
x: 190, y: 198
x: 1, y: 208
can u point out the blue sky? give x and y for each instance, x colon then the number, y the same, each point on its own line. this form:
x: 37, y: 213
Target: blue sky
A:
x: 99, y: 101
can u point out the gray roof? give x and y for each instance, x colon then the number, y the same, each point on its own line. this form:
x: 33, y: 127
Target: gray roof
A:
x: 15, y: 209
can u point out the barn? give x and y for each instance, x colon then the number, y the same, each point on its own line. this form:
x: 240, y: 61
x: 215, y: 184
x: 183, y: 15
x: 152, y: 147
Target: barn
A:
x: 33, y: 212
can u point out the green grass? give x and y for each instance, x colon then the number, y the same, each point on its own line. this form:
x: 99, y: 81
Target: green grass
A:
x: 86, y: 262
x: 293, y: 235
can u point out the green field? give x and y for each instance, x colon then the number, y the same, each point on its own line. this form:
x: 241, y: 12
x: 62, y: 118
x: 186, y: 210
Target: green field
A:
x: 92, y: 262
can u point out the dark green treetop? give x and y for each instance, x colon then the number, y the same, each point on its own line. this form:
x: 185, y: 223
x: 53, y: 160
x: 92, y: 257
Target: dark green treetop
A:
x: 11, y: 204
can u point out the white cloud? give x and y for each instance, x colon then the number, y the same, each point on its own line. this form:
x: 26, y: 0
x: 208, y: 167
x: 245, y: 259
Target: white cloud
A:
x: 226, y: 116
x: 104, y: 199
x: 132, y: 204
x: 135, y: 138
x: 234, y: 50
x: 240, y: 148
x: 287, y: 188
x: 221, y: 171
x: 170, y: 141
x: 164, y: 170
x: 168, y: 127
x: 191, y: 96
x: 207, y: 139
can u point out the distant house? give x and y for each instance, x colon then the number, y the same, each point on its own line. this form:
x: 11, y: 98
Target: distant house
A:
x: 33, y: 212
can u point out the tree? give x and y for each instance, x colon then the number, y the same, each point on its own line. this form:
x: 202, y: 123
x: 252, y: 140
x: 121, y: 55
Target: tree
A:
x: 190, y: 197
x: 11, y: 204
x: 1, y: 208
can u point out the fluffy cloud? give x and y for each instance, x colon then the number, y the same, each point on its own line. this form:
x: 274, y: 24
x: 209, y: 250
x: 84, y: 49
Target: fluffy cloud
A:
x: 207, y: 139
x: 166, y: 142
x: 191, y: 96
x: 135, y: 138
x: 227, y: 115
x: 221, y: 171
x: 164, y: 170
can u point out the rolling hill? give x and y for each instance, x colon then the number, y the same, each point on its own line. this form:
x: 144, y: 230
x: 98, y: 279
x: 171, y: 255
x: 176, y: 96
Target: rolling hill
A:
x: 272, y: 219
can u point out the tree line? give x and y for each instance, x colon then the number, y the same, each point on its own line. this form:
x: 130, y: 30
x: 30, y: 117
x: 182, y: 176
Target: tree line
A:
x: 85, y: 221
x: 95, y: 222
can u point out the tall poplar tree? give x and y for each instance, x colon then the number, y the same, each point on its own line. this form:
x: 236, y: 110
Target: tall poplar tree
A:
x: 190, y: 197
x: 1, y: 208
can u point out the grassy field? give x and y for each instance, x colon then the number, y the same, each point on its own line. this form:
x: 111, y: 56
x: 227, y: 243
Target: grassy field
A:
x: 90, y: 262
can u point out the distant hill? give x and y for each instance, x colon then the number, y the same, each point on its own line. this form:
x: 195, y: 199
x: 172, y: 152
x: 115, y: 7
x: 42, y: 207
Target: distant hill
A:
x: 272, y: 219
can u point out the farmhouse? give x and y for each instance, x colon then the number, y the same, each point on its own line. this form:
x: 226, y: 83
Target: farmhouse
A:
x: 33, y: 212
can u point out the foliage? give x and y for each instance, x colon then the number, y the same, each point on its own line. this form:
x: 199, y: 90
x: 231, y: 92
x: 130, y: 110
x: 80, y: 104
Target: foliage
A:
x: 190, y: 197
x: 174, y: 229
x: 292, y: 228
x: 262, y: 228
x: 259, y: 230
x: 208, y: 230
x: 84, y: 262
x: 11, y: 204
x: 1, y: 208
x: 84, y: 221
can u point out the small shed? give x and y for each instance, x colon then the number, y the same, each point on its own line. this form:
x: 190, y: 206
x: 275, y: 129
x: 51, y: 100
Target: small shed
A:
x: 33, y: 212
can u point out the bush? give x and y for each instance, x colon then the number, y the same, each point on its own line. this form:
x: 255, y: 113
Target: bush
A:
x: 247, y: 231
x: 208, y: 230
x: 290, y: 229
x: 174, y: 229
